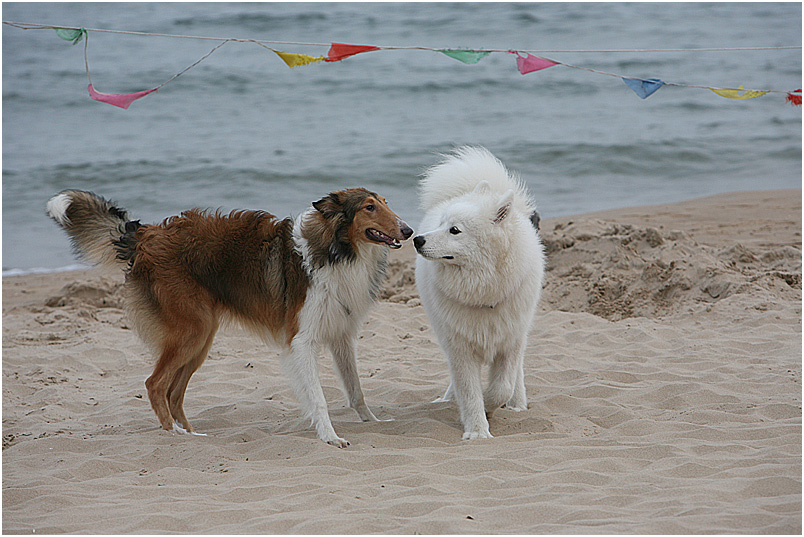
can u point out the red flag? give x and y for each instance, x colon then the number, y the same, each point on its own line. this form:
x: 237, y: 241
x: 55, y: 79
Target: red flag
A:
x: 339, y: 51
x: 794, y: 99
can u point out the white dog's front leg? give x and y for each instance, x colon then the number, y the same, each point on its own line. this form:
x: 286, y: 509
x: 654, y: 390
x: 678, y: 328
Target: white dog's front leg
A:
x: 300, y: 365
x: 468, y: 389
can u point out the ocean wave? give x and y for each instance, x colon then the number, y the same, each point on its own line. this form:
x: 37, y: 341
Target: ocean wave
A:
x: 7, y: 273
x: 242, y: 130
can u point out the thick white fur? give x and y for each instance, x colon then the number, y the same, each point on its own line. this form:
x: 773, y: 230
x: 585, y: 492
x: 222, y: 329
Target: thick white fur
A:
x: 461, y: 171
x: 480, y: 287
x: 57, y: 207
x: 336, y: 305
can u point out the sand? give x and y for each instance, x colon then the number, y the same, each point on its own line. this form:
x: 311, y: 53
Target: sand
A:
x: 663, y: 376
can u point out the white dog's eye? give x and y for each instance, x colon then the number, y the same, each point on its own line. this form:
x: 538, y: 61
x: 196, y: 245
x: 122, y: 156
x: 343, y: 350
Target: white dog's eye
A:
x: 454, y: 230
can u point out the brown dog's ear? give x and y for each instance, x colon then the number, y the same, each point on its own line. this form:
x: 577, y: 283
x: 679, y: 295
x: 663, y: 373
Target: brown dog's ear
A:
x: 329, y: 205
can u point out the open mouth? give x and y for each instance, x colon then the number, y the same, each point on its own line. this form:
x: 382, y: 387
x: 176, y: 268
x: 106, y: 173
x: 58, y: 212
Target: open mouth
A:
x: 378, y: 236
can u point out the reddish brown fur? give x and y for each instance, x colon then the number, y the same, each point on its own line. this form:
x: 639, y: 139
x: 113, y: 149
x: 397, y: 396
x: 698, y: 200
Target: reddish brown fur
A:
x: 190, y: 270
x: 382, y: 218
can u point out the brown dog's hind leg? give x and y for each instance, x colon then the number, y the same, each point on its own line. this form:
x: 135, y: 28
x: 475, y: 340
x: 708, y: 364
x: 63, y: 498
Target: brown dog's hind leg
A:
x: 185, y: 339
x: 175, y: 394
x: 159, y: 382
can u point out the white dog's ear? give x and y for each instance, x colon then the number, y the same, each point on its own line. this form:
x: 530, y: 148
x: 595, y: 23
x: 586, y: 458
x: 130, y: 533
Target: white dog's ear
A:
x: 504, y: 206
x: 483, y: 187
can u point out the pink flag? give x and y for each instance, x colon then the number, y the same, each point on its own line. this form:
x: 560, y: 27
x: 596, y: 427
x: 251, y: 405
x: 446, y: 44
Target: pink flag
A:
x: 123, y: 101
x: 530, y: 63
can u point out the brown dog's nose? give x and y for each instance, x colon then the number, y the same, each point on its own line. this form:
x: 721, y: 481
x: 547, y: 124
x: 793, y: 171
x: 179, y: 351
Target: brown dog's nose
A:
x: 405, y: 230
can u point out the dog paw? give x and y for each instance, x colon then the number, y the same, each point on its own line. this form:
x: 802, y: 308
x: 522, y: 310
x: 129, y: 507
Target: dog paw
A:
x: 516, y: 408
x: 177, y: 428
x: 367, y: 415
x: 474, y: 435
x: 338, y: 443
x: 442, y: 400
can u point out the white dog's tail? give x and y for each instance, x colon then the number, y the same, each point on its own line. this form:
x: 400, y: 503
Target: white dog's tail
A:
x: 460, y: 172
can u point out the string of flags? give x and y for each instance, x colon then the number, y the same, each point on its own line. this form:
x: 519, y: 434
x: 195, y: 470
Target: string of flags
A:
x: 527, y: 63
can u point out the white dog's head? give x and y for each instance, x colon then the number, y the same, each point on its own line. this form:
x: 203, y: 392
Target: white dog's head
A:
x: 467, y: 229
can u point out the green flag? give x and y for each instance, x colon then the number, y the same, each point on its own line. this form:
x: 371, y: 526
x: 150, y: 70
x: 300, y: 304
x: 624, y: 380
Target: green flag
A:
x: 465, y: 56
x: 70, y: 34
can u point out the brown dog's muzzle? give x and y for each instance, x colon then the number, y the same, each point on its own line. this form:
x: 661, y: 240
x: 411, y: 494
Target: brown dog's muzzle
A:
x: 404, y: 232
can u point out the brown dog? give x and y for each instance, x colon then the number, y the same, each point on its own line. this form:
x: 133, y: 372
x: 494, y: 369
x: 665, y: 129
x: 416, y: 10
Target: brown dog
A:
x: 298, y: 283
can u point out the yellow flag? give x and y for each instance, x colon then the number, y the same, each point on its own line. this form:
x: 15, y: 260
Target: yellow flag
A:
x: 735, y: 93
x: 297, y: 59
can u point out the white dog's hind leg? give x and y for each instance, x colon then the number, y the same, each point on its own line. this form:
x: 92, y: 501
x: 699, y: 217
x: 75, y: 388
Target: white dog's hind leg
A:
x: 301, y: 367
x: 507, y: 381
x: 468, y: 389
x: 502, y: 378
x: 519, y: 402
x: 343, y: 353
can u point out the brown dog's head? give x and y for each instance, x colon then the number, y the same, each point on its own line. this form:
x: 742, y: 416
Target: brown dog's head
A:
x: 349, y: 217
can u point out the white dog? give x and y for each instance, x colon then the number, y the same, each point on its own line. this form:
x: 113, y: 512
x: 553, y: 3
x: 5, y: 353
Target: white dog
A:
x: 479, y: 275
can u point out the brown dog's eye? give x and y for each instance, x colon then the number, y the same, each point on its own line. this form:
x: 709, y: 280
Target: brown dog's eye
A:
x: 370, y: 208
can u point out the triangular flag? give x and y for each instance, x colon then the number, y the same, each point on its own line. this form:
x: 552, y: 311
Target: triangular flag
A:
x: 735, y: 93
x: 794, y: 99
x: 340, y: 51
x: 466, y: 56
x: 70, y: 34
x: 123, y: 101
x: 644, y: 88
x: 531, y: 63
x: 294, y: 60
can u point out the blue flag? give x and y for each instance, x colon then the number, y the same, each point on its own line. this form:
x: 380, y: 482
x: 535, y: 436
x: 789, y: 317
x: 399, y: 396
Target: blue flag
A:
x: 643, y: 88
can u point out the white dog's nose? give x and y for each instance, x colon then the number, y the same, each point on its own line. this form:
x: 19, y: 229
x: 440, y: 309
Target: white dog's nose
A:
x: 418, y: 241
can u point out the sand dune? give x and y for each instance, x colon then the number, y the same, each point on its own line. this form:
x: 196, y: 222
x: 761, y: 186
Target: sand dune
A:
x: 663, y: 376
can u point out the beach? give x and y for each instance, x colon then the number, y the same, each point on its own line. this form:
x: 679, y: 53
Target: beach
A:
x: 663, y: 374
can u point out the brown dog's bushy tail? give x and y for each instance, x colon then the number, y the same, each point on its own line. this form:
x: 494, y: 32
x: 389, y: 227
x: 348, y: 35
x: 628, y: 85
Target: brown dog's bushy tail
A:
x: 100, y: 232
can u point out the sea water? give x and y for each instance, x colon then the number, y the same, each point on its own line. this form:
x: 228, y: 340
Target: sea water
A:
x: 242, y: 130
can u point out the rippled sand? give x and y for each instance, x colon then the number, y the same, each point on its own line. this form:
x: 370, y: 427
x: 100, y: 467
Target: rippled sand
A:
x: 663, y: 376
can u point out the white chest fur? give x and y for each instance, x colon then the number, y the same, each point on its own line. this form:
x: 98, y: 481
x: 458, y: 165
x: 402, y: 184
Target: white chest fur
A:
x: 340, y: 294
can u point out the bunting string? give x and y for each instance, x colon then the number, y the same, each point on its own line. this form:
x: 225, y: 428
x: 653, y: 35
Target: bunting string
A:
x: 531, y: 62
x: 33, y: 26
